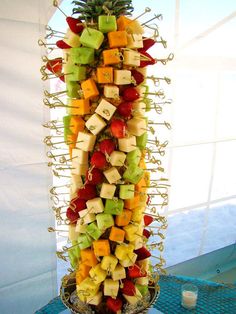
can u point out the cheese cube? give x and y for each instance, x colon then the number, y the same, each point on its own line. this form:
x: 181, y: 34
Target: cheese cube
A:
x: 92, y: 38
x: 135, y: 41
x: 132, y: 300
x: 122, y: 77
x: 95, y: 124
x: 118, y: 273
x: 89, y: 89
x: 73, y: 234
x: 95, y: 205
x: 105, y: 109
x: 123, y: 249
x: 112, y: 175
x: 111, y: 91
x: 132, y: 232
x: 76, y: 183
x: 88, y: 257
x: 78, y: 106
x: 105, y: 75
x: 107, y: 23
x: 111, y: 56
x: 139, y: 109
x: 101, y: 247
x: 72, y: 39
x: 80, y: 226
x: 111, y: 288
x: 134, y: 27
x: 97, y: 274
x: 117, y: 39
x: 117, y: 235
x: 80, y: 156
x: 126, y: 191
x: 96, y: 299
x: 86, y: 216
x: 124, y: 218
x: 109, y: 263
x: 85, y: 141
x: 131, y: 58
x: 129, y: 261
x: 137, y: 126
x: 87, y: 288
x: 127, y: 144
x: 78, y: 169
x: 107, y: 191
x: 117, y: 158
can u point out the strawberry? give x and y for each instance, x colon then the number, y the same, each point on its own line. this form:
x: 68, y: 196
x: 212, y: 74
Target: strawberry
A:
x: 138, y: 77
x: 149, y: 61
x: 128, y: 287
x: 130, y: 94
x: 71, y: 215
x: 147, y: 220
x: 114, y: 305
x: 147, y: 43
x: 136, y: 272
x: 125, y: 109
x: 62, y: 45
x: 95, y: 176
x: 142, y: 253
x: 98, y: 160
x: 54, y: 65
x: 107, y: 146
x: 118, y: 128
x: 75, y: 24
x: 146, y: 233
x: 87, y: 192
x: 78, y: 204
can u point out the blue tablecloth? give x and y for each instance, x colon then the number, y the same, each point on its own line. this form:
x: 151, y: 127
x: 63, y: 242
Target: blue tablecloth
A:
x: 213, y: 298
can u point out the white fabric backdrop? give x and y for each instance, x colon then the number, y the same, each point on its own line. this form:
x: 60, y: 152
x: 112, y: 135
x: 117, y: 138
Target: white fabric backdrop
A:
x: 28, y: 261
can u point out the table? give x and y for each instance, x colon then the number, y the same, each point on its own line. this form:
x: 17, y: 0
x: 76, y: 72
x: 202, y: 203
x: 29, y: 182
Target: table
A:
x: 213, y: 298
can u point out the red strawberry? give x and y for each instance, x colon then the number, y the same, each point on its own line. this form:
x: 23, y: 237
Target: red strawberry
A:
x: 78, y: 204
x: 149, y: 61
x: 114, y: 305
x: 98, y: 160
x: 87, y: 192
x: 147, y: 43
x: 130, y: 94
x: 75, y: 24
x: 118, y: 128
x: 138, y: 77
x: 142, y: 253
x: 54, y: 65
x: 125, y: 109
x: 147, y: 220
x: 107, y: 146
x: 95, y: 176
x: 146, y: 233
x: 62, y: 45
x: 71, y: 215
x: 128, y: 287
x: 136, y: 272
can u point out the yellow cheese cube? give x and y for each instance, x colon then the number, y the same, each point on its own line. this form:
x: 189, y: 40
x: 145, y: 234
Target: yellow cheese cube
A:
x: 109, y: 263
x: 139, y: 109
x: 78, y: 169
x: 76, y: 183
x: 95, y: 124
x: 78, y: 106
x: 111, y: 288
x: 80, y: 156
x: 117, y: 39
x: 105, y: 75
x: 89, y: 89
x: 111, y: 56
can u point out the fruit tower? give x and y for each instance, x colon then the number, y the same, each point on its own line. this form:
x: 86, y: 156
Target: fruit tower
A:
x: 103, y: 63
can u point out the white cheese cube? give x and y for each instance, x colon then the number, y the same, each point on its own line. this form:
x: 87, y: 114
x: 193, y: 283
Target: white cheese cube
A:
x: 76, y: 183
x: 112, y: 175
x: 134, y: 41
x: 107, y: 190
x: 127, y: 144
x: 139, y: 109
x: 111, y: 91
x: 95, y: 205
x: 122, y: 77
x: 80, y: 226
x: 118, y: 273
x: 111, y: 288
x: 78, y: 169
x: 95, y: 300
x: 85, y: 141
x: 72, y: 39
x: 73, y: 234
x: 117, y: 158
x: 137, y: 126
x: 80, y: 156
x: 86, y: 216
x: 141, y: 89
x: 95, y: 124
x: 131, y: 58
x: 129, y: 261
x: 105, y: 109
x: 134, y: 298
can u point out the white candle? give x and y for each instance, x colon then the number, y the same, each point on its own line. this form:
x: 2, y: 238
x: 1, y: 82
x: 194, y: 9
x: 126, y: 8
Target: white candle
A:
x: 189, y: 296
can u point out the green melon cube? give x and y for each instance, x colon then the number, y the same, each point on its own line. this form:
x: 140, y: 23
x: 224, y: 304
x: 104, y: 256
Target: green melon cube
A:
x: 134, y: 157
x: 72, y: 88
x: 142, y: 289
x: 133, y: 174
x: 84, y: 241
x: 91, y: 38
x: 141, y: 141
x: 104, y: 221
x: 107, y: 23
x: 114, y: 206
x: 76, y: 73
x: 74, y: 254
x: 82, y: 55
x: 93, y: 231
x: 126, y: 191
x: 66, y: 123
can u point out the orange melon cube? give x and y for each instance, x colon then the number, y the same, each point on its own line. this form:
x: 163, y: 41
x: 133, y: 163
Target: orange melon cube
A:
x: 82, y: 272
x: 88, y: 257
x: 76, y: 125
x: 105, y: 75
x: 124, y: 218
x: 117, y: 235
x: 117, y: 39
x: 141, y: 186
x: 79, y: 106
x: 101, y: 248
x: 132, y: 202
x: 142, y: 163
x: 111, y: 56
x: 89, y: 89
x: 122, y: 22
x: 71, y: 139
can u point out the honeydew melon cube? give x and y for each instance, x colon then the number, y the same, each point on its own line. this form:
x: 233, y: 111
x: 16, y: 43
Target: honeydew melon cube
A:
x: 95, y: 124
x: 82, y: 55
x: 143, y: 289
x: 86, y: 216
x: 111, y: 288
x: 72, y: 89
x: 107, y: 23
x: 123, y: 249
x: 131, y: 58
x: 76, y: 183
x: 137, y: 215
x: 133, y: 174
x: 107, y: 191
x: 142, y: 281
x: 126, y: 191
x: 127, y: 144
x: 93, y: 231
x: 95, y: 300
x: 91, y: 38
x: 113, y: 206
x: 129, y: 260
x: 134, y: 157
x: 80, y: 226
x: 74, y: 254
x: 134, y: 27
x: 141, y: 141
x: 112, y: 175
x: 84, y: 241
x: 135, y: 41
x: 137, y: 126
x: 72, y: 39
x: 117, y: 158
x: 111, y: 91
x: 95, y: 205
x: 139, y: 109
x: 133, y: 232
x: 73, y: 234
x: 122, y: 77
x: 97, y: 274
x: 118, y: 273
x: 75, y: 73
x: 104, y: 221
x: 87, y: 288
x: 78, y: 169
x: 132, y: 300
x: 80, y: 156
x: 105, y: 109
x: 109, y: 263
x: 85, y: 141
